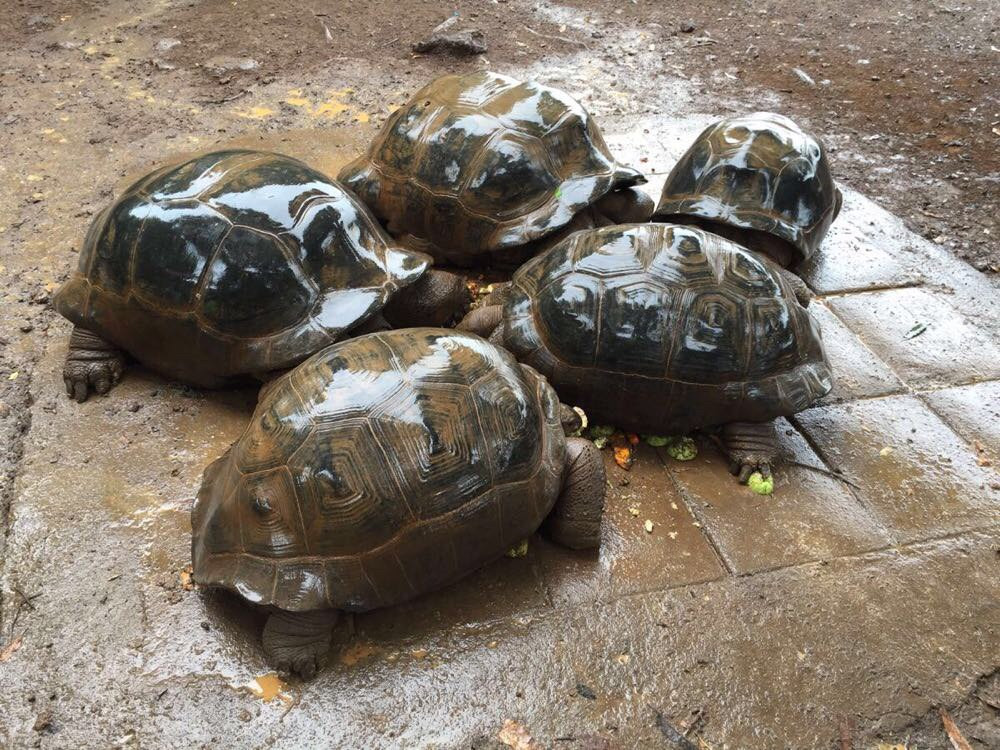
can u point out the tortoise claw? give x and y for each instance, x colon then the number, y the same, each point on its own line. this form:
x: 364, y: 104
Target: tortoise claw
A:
x: 99, y: 375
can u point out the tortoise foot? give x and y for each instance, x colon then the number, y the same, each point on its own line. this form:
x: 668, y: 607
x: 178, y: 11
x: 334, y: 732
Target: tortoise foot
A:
x: 298, y: 642
x: 92, y: 364
x: 751, y: 447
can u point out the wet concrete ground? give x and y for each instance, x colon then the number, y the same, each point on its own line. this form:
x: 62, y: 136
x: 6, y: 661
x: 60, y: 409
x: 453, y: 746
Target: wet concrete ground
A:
x: 847, y: 608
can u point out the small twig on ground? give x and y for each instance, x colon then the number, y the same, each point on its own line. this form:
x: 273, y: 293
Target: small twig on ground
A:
x: 224, y: 99
x: 846, y: 735
x: 954, y: 735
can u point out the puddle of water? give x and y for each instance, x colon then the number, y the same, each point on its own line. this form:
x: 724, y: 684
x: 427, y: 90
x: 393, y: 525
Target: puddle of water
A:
x: 358, y: 652
x: 269, y: 687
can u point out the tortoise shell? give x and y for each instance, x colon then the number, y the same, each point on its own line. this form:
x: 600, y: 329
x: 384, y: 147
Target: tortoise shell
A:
x: 378, y: 469
x: 232, y: 263
x: 479, y: 163
x: 664, y: 329
x: 760, y: 172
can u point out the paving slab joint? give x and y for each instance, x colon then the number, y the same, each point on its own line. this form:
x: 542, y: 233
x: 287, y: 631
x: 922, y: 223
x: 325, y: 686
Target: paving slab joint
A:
x: 698, y: 516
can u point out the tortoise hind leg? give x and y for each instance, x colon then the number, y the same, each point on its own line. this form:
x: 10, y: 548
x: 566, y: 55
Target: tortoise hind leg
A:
x: 575, y: 520
x: 751, y: 447
x: 299, y: 641
x: 91, y: 364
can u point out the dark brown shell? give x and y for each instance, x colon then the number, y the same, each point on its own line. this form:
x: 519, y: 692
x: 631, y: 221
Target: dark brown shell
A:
x: 380, y: 468
x: 760, y: 172
x: 662, y: 328
x: 232, y: 263
x: 478, y: 163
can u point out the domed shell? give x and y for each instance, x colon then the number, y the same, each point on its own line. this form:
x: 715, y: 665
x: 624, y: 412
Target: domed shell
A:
x: 481, y: 162
x: 661, y: 327
x: 231, y: 263
x: 760, y: 172
x: 380, y: 468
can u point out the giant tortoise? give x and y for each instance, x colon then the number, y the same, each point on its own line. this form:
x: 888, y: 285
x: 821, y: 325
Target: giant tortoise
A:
x: 236, y: 263
x: 482, y: 168
x: 381, y: 468
x: 759, y: 180
x: 661, y: 328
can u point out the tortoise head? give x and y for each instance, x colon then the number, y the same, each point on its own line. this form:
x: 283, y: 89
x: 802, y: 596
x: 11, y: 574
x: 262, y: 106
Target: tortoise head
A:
x: 761, y: 176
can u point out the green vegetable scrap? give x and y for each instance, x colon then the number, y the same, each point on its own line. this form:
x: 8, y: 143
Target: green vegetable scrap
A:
x: 657, y: 441
x: 759, y: 484
x: 682, y: 449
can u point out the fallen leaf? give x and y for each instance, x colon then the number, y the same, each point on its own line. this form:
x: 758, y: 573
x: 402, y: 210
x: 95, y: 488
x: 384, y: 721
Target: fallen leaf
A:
x: 516, y: 735
x: 186, y: 578
x: 8, y: 651
x: 954, y: 735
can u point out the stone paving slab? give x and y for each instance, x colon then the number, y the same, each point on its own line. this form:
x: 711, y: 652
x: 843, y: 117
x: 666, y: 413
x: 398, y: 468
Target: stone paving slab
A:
x: 631, y: 559
x: 951, y: 351
x: 810, y: 516
x: 913, y: 473
x: 973, y: 411
x: 857, y: 255
x: 857, y: 372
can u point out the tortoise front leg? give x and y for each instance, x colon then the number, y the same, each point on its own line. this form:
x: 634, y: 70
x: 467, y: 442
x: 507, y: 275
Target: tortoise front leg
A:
x: 91, y: 364
x: 483, y: 321
x: 575, y: 520
x: 751, y: 446
x: 299, y: 641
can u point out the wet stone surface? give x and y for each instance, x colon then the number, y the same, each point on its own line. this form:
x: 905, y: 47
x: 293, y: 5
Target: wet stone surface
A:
x: 863, y: 258
x: 913, y: 473
x: 925, y: 340
x: 631, y: 559
x: 973, y: 411
x: 811, y: 515
x: 857, y: 372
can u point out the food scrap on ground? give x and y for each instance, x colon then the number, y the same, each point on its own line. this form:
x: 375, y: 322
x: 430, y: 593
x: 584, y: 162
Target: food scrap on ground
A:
x: 760, y: 484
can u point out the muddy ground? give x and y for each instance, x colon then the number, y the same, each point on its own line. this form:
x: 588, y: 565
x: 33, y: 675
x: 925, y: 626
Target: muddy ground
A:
x: 905, y: 94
